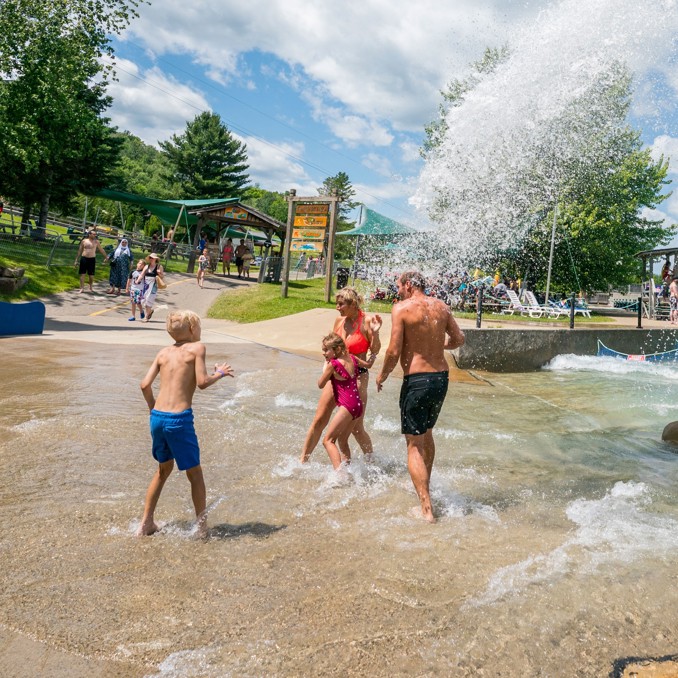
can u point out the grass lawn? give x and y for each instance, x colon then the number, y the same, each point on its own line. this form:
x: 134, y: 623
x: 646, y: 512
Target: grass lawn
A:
x: 43, y: 281
x: 263, y: 302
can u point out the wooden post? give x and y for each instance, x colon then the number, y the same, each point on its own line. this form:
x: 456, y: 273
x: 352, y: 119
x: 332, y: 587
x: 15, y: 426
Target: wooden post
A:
x: 288, y: 244
x: 330, y: 247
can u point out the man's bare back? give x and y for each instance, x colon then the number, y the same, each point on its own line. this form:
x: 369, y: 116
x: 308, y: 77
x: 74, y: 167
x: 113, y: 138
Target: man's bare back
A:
x: 425, y: 322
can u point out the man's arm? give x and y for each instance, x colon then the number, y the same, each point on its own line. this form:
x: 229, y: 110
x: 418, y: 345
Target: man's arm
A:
x: 77, y: 256
x: 101, y: 249
x: 202, y: 379
x: 147, y: 383
x: 455, y: 337
x: 395, y: 347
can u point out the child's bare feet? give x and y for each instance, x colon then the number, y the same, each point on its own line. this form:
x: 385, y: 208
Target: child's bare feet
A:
x: 147, y: 530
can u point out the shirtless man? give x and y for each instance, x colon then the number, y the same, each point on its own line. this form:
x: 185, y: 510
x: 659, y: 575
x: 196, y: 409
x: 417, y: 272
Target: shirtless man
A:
x: 87, y: 253
x: 181, y: 368
x: 421, y: 328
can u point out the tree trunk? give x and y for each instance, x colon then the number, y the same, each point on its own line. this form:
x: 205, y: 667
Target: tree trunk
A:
x: 26, y: 218
x: 42, y: 217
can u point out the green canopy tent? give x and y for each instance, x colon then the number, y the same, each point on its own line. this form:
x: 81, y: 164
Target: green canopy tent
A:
x: 373, y: 224
x: 229, y: 216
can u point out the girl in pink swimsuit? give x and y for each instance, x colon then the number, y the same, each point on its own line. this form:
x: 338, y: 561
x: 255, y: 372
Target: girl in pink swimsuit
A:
x: 341, y: 369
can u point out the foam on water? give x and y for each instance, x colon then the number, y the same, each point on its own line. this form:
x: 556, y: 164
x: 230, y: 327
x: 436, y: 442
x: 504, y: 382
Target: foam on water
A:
x: 619, y: 527
x: 613, y: 366
x: 287, y: 400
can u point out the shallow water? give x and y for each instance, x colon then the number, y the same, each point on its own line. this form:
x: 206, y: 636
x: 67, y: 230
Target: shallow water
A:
x: 554, y: 554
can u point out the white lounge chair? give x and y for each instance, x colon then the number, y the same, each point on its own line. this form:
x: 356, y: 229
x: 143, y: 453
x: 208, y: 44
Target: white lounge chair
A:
x: 517, y: 305
x: 552, y: 311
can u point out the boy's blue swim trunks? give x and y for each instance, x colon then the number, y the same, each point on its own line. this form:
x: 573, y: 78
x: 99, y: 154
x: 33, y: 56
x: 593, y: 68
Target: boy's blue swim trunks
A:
x: 174, y: 437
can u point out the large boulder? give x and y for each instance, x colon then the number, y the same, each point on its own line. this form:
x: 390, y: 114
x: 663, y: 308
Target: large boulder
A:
x: 670, y: 433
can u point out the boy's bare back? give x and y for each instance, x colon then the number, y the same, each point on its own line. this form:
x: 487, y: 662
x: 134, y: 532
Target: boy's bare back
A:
x: 181, y: 367
x: 177, y: 367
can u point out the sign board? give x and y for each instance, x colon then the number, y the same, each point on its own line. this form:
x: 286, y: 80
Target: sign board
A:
x: 307, y: 246
x: 235, y: 213
x: 310, y: 220
x: 312, y: 208
x: 308, y: 234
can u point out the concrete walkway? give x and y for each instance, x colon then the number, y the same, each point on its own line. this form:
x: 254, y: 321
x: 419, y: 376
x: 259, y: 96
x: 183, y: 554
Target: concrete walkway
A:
x: 101, y: 318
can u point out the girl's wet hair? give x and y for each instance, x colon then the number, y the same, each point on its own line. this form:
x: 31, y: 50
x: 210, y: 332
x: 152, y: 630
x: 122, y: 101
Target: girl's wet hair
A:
x: 349, y: 295
x: 335, y: 342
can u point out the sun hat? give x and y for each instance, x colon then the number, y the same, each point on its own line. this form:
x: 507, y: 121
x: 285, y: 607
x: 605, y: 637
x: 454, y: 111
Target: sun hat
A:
x: 153, y: 255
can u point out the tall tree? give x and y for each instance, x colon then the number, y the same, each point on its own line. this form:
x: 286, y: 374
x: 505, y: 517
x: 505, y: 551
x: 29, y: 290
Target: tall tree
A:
x: 341, y: 184
x: 207, y: 161
x: 268, y: 202
x: 54, y: 137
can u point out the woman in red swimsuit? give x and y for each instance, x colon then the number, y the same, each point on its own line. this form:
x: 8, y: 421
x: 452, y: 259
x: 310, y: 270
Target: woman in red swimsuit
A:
x: 360, y: 333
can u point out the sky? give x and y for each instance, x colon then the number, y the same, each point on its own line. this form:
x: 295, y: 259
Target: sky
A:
x: 314, y: 88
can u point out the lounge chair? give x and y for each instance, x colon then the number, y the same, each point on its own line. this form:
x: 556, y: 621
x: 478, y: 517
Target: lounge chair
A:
x: 552, y: 311
x: 517, y: 305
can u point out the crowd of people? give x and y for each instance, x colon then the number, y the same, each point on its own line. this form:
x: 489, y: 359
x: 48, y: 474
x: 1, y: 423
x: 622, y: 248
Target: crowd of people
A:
x: 459, y: 290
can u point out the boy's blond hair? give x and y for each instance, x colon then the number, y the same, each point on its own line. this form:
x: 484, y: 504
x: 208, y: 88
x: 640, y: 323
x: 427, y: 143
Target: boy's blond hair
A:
x: 349, y: 295
x: 334, y: 341
x: 180, y: 322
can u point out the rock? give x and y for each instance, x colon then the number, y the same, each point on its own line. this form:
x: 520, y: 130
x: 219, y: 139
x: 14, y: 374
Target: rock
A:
x: 670, y: 433
x: 12, y: 272
x: 8, y: 285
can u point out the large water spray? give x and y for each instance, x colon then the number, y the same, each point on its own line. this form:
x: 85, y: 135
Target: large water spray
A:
x: 552, y: 103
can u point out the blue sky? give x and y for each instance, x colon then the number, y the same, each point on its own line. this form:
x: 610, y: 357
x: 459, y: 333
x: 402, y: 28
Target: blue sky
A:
x: 314, y: 88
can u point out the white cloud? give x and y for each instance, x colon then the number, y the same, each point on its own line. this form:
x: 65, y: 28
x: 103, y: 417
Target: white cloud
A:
x: 378, y: 163
x: 151, y: 104
x: 668, y: 147
x: 381, y: 60
x: 410, y: 151
x: 273, y: 167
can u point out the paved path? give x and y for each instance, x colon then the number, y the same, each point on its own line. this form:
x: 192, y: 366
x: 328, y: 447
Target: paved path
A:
x: 98, y: 317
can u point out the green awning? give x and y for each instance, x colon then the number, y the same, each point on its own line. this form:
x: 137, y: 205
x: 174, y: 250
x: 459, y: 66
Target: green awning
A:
x: 166, y: 210
x: 373, y: 223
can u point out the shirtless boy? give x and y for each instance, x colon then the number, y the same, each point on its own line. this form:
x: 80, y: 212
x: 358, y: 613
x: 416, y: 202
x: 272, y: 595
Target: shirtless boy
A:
x: 87, y: 253
x: 421, y: 328
x: 181, y: 368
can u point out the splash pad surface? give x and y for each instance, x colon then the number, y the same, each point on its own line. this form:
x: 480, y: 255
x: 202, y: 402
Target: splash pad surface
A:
x: 554, y: 547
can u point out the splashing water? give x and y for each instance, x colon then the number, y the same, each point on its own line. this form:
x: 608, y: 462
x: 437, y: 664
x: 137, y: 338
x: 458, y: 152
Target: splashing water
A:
x: 506, y: 146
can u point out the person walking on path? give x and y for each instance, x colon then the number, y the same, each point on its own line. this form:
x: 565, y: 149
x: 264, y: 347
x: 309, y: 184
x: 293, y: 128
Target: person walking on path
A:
x: 121, y: 264
x: 152, y: 271
x: 87, y: 254
x: 181, y: 368
x: 240, y: 251
x: 203, y: 265
x: 421, y: 328
x: 673, y: 299
x: 226, y: 257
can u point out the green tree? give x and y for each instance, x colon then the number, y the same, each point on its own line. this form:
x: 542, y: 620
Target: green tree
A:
x: 207, y: 161
x: 341, y: 185
x: 54, y: 138
x: 271, y: 203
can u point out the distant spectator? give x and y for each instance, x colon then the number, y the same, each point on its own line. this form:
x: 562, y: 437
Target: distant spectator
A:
x: 87, y: 253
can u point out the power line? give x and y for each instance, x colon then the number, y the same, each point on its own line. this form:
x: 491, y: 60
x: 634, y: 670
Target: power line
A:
x: 278, y: 148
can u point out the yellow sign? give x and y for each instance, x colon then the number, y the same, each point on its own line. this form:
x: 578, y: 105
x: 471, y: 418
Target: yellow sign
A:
x: 306, y: 246
x: 315, y: 208
x: 310, y: 221
x: 308, y: 233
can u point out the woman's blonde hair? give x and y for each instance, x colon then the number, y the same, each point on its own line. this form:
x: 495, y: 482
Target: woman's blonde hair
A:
x: 335, y: 342
x: 350, y: 295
